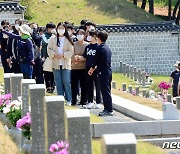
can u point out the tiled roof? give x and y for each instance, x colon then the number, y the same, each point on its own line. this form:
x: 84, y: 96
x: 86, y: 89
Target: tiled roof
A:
x: 11, y: 6
x: 144, y: 27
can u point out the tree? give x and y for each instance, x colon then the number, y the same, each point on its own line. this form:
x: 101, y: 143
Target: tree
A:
x: 151, y: 6
x: 143, y: 6
x: 135, y: 2
x: 169, y: 9
x: 175, y: 9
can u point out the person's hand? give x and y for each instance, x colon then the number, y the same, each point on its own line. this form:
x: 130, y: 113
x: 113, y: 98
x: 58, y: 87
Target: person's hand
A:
x: 60, y: 56
x: 32, y: 62
x: 55, y: 55
x: 90, y: 72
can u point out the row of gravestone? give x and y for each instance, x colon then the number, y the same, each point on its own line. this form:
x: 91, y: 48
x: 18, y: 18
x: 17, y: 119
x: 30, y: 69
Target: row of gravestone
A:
x: 51, y: 122
x: 133, y: 73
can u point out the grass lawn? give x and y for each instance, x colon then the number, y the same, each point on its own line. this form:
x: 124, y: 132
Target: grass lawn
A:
x: 101, y: 12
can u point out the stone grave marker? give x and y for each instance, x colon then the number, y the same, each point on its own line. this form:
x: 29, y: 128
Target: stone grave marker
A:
x: 139, y: 76
x: 119, y: 143
x: 36, y: 97
x: 144, y: 92
x: 135, y: 74
x: 54, y: 117
x: 127, y: 70
x: 131, y: 71
x: 78, y: 131
x: 121, y: 67
x: 15, y: 82
x: 7, y: 85
x: 130, y: 89
x: 137, y: 90
x: 114, y: 84
x: 143, y: 78
x: 169, y: 98
x: 124, y: 69
x: 124, y: 86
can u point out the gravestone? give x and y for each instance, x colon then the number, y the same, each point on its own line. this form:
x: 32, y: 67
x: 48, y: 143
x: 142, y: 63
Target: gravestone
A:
x: 144, y: 92
x: 121, y: 67
x: 124, y: 69
x: 130, y: 89
x: 137, y: 90
x: 143, y: 78
x: 178, y: 102
x: 169, y: 98
x: 127, y: 70
x: 131, y: 71
x: 119, y: 144
x: 54, y: 117
x: 25, y: 95
x: 124, y: 86
x: 170, y: 111
x: 114, y: 84
x: 78, y: 132
x: 7, y: 85
x: 135, y: 74
x: 139, y: 76
x: 15, y: 82
x: 36, y: 98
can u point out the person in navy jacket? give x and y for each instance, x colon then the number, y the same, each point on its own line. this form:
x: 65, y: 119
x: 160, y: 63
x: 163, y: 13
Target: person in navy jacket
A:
x: 102, y: 62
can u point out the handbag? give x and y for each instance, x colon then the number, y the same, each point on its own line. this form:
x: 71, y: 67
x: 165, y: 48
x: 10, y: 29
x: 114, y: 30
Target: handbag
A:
x: 47, y: 66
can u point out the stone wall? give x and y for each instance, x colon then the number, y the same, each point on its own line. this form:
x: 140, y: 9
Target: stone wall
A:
x: 10, y: 16
x: 154, y: 52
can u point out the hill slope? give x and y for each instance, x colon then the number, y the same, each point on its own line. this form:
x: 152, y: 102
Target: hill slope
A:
x: 99, y: 11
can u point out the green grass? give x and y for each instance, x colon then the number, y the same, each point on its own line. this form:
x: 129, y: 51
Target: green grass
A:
x: 101, y: 12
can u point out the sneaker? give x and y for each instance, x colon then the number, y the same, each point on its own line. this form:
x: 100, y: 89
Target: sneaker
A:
x: 90, y: 106
x: 98, y: 106
x: 105, y: 113
x: 68, y: 103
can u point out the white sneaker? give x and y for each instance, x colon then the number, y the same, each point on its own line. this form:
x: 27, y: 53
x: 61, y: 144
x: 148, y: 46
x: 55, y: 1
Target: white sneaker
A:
x: 90, y: 106
x: 68, y: 103
x: 98, y: 106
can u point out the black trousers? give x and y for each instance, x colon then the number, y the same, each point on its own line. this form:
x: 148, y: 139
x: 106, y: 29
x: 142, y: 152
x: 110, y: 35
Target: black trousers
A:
x: 175, y: 90
x: 16, y: 67
x: 49, y: 79
x: 38, y: 71
x: 78, y: 77
x: 105, y: 84
x: 5, y: 64
x: 90, y: 82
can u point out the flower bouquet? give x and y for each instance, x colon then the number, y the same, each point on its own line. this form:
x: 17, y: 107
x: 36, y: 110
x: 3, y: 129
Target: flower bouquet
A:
x: 59, y: 148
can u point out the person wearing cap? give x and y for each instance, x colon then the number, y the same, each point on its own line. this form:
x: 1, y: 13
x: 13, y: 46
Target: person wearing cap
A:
x: 25, y: 50
x: 47, y: 66
x: 174, y: 79
x: 102, y: 64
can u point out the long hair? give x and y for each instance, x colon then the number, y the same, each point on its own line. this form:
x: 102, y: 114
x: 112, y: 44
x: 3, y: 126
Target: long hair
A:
x: 66, y: 34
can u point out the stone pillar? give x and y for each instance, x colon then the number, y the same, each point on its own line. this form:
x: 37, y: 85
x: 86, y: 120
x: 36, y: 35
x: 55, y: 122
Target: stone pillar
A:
x: 121, y: 67
x: 114, y: 84
x: 178, y: 103
x: 130, y: 89
x: 143, y: 78
x: 135, y: 74
x: 124, y: 87
x: 16, y: 85
x: 127, y: 70
x: 139, y: 76
x: 124, y: 69
x: 144, y: 92
x: 131, y: 71
x: 78, y: 132
x: 7, y: 85
x: 137, y: 90
x: 36, y: 94
x: 169, y: 98
x: 119, y: 144
x: 25, y: 94
x: 54, y: 116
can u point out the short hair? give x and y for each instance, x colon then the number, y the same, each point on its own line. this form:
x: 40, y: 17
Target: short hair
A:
x: 82, y: 27
x: 88, y: 23
x: 102, y: 35
x: 93, y: 32
x: 82, y: 31
x: 3, y: 22
x: 83, y: 22
x: 179, y: 64
x: 50, y: 25
x: 70, y: 26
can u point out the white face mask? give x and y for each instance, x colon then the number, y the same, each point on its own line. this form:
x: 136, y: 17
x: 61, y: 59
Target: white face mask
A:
x: 69, y: 32
x: 5, y: 36
x: 80, y: 37
x: 53, y: 31
x: 17, y: 26
x: 61, y: 31
x: 89, y: 38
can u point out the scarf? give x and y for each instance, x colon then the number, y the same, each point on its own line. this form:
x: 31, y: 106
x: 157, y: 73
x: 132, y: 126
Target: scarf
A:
x: 25, y: 36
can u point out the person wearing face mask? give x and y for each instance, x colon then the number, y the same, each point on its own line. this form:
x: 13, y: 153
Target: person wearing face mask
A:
x: 174, y: 79
x: 25, y: 50
x: 70, y: 28
x: 78, y: 74
x: 47, y: 66
x: 60, y: 49
x: 88, y: 55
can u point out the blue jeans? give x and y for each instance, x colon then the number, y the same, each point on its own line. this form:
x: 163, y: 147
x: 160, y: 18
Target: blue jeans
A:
x: 27, y: 70
x: 63, y: 82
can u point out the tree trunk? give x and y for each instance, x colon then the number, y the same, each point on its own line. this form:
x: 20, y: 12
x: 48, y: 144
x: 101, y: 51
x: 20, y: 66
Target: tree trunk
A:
x: 135, y: 2
x: 151, y: 6
x: 178, y: 17
x: 143, y: 4
x: 175, y: 9
x: 169, y: 9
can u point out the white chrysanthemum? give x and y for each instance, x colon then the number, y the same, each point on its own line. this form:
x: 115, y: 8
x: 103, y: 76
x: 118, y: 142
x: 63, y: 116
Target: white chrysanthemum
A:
x: 6, y: 110
x: 16, y: 103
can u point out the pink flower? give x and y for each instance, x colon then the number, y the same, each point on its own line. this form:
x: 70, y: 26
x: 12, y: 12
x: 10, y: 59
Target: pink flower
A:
x: 7, y: 102
x: 64, y: 151
x: 60, y: 144
x: 53, y: 148
x: 133, y: 93
x: 7, y: 96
